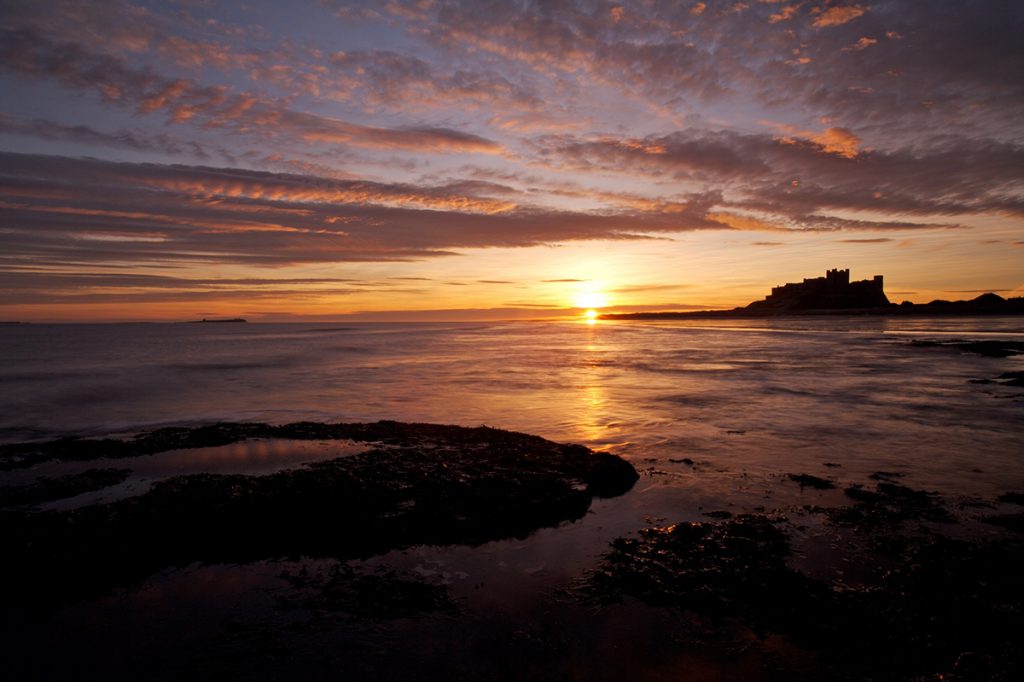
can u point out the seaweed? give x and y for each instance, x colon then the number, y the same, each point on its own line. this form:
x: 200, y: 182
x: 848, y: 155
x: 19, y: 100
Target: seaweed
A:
x: 48, y: 489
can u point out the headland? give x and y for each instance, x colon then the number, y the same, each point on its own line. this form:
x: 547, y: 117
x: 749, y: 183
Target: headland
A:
x: 835, y: 294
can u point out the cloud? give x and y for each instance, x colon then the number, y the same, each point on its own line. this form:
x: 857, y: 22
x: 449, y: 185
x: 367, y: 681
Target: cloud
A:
x: 384, y: 78
x: 530, y: 67
x: 647, y: 288
x: 956, y: 62
x: 793, y: 182
x: 837, y: 16
x: 832, y: 140
x: 313, y: 128
x: 636, y: 115
x: 58, y: 209
x: 784, y: 14
x: 136, y: 140
x: 28, y: 53
x: 39, y: 285
x: 862, y: 44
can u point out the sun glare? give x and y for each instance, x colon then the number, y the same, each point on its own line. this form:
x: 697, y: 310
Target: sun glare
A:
x: 591, y: 299
x: 590, y: 316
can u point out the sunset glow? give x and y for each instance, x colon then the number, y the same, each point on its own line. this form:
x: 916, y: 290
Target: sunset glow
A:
x: 450, y: 160
x: 591, y: 299
x: 512, y: 339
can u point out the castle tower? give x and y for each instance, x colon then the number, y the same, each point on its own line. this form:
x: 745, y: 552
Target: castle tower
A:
x: 838, y: 278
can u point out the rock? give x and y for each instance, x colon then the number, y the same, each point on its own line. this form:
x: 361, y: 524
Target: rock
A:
x: 1012, y: 498
x: 941, y: 598
x: 1011, y: 522
x: 809, y: 481
x: 430, y: 485
x: 48, y: 489
x: 988, y: 348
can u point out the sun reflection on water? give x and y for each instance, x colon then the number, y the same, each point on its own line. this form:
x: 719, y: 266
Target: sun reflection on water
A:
x: 593, y: 398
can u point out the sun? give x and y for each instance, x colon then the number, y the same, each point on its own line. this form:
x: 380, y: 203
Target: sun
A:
x: 591, y: 315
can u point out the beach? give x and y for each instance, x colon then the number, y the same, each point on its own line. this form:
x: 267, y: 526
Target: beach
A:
x: 814, y: 461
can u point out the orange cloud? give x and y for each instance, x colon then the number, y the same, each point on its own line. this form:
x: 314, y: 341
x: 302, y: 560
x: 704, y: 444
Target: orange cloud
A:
x: 167, y: 95
x: 783, y: 14
x: 839, y: 141
x: 861, y: 44
x: 313, y: 128
x: 742, y: 222
x: 643, y: 146
x: 837, y: 16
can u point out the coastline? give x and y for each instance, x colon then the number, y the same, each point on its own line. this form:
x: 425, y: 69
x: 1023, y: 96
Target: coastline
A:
x: 950, y: 309
x: 813, y: 500
x: 916, y: 581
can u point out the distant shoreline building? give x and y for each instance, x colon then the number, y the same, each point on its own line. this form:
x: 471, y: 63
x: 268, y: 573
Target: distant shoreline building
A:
x: 833, y: 291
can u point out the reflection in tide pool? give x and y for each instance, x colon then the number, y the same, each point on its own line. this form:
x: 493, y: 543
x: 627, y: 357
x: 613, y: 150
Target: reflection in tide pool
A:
x: 255, y: 457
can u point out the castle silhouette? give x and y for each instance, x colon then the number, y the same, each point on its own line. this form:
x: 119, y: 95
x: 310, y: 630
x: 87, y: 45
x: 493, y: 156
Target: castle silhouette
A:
x: 833, y: 291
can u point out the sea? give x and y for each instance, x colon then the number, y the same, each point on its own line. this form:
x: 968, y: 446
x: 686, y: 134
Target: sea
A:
x: 714, y: 414
x: 754, y: 394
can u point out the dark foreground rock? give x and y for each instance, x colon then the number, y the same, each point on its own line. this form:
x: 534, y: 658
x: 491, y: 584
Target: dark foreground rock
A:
x: 810, y: 481
x: 48, y: 489
x: 735, y: 568
x: 380, y: 595
x: 417, y: 484
x: 992, y: 348
x: 946, y: 609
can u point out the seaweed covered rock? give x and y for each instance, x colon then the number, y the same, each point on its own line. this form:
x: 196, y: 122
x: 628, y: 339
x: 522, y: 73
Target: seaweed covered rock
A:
x: 47, y: 489
x: 417, y: 484
x: 947, y: 609
x: 726, y: 569
x: 889, y: 504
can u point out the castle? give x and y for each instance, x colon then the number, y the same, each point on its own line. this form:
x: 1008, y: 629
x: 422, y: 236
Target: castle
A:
x: 831, y: 292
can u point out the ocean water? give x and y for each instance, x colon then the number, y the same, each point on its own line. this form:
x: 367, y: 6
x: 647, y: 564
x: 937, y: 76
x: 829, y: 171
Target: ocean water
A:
x: 714, y: 414
x: 756, y: 394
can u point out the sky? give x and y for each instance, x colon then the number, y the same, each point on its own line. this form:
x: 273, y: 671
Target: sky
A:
x: 436, y: 159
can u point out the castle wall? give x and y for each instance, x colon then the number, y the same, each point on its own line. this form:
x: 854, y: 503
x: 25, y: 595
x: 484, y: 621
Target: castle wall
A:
x: 833, y: 291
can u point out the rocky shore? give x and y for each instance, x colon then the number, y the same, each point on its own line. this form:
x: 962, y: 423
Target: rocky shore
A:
x: 910, y: 593
x: 863, y: 579
x: 416, y: 484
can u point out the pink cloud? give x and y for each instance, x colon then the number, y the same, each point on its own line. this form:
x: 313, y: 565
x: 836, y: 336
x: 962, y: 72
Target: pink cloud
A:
x: 784, y: 14
x: 862, y: 44
x: 837, y: 16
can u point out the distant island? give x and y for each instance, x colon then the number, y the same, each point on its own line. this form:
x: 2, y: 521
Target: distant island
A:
x: 222, y: 321
x: 835, y: 294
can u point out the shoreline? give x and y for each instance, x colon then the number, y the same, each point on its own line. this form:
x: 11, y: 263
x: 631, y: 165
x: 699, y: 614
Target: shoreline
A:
x: 894, y: 312
x: 751, y: 578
